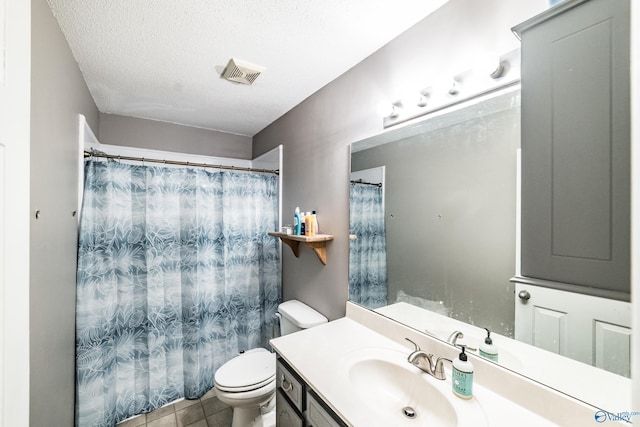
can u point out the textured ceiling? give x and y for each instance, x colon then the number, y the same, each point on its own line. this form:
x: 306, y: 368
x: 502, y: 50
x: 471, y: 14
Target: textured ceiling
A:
x: 162, y: 59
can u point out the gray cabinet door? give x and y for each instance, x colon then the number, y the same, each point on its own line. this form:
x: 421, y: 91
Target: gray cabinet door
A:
x: 286, y: 416
x: 576, y: 144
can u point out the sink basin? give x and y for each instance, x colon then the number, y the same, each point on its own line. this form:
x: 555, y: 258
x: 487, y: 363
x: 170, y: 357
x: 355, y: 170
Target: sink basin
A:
x: 394, y: 392
x: 389, y: 389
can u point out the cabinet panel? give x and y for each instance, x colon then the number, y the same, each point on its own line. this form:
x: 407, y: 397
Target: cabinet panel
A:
x: 317, y: 415
x: 581, y: 171
x: 286, y: 416
x: 613, y: 348
x: 576, y: 145
x: 289, y: 385
x: 549, y: 329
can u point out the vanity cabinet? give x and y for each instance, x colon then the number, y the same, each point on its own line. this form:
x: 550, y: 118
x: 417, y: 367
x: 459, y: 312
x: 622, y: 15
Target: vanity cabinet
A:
x: 297, y: 405
x: 576, y: 146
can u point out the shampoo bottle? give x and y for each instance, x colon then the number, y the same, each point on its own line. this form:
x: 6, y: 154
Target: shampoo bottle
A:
x: 313, y: 225
x: 307, y: 224
x: 487, y: 349
x: 315, y: 221
x: 297, y: 222
x: 462, y: 376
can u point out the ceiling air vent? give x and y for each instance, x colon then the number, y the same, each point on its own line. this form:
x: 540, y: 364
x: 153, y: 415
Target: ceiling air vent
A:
x: 241, y: 72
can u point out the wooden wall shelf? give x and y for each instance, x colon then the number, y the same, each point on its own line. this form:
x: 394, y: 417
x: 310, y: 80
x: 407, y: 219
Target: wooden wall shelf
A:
x: 318, y: 243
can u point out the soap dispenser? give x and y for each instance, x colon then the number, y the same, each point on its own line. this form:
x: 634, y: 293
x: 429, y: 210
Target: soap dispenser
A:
x: 462, y: 376
x: 487, y: 349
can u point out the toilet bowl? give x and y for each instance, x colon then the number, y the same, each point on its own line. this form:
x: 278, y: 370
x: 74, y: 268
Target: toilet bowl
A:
x: 247, y: 382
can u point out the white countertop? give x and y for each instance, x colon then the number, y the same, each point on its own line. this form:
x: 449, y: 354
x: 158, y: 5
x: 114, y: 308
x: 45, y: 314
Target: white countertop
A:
x: 318, y: 356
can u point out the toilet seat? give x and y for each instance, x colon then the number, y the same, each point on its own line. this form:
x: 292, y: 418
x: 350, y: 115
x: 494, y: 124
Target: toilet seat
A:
x: 249, y: 371
x: 250, y: 387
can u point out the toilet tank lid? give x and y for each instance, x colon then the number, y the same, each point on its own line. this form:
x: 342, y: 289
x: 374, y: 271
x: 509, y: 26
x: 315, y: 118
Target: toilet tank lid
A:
x: 301, y: 314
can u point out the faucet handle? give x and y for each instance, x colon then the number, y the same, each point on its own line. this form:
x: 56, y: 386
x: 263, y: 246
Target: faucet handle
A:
x: 417, y: 348
x: 438, y: 370
x: 468, y: 347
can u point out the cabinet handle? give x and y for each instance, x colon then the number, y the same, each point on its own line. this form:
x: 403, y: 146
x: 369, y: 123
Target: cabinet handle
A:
x: 286, y: 385
x: 524, y: 295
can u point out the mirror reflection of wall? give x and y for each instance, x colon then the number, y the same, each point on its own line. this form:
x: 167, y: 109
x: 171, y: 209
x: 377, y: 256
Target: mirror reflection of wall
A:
x: 450, y: 210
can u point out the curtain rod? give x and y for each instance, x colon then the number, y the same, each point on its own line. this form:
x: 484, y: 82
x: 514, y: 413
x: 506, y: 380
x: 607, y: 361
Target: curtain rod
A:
x: 175, y: 162
x: 359, y: 181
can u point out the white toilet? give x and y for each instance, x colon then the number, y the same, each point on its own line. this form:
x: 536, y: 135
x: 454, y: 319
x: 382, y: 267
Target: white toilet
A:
x: 247, y: 382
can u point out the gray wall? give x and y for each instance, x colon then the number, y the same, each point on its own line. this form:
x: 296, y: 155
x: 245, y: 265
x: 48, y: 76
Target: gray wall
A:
x: 316, y: 134
x: 450, y: 209
x: 58, y: 95
x: 143, y: 133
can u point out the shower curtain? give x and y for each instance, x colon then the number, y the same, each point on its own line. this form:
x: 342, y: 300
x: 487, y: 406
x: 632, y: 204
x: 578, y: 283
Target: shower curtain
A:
x: 367, y: 250
x: 176, y: 274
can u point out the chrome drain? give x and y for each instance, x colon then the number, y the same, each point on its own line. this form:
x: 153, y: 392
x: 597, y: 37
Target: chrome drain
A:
x: 409, y: 412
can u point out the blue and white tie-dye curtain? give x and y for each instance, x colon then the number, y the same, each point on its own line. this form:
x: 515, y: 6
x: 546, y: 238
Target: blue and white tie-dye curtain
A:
x: 176, y: 274
x: 368, y: 248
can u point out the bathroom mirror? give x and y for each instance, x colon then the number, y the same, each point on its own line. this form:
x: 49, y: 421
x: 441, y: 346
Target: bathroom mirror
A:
x: 448, y: 202
x: 434, y: 236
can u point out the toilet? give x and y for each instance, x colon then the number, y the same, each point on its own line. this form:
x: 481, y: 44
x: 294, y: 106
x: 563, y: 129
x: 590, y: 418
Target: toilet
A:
x: 247, y: 382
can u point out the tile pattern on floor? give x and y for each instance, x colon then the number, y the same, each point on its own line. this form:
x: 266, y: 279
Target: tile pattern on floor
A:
x: 207, y: 411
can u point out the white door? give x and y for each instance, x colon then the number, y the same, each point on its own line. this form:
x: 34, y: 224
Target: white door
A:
x: 589, y: 329
x: 15, y: 75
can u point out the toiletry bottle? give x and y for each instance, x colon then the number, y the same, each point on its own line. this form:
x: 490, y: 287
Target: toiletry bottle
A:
x: 312, y: 224
x: 315, y: 222
x: 297, y: 222
x: 462, y: 376
x: 307, y: 224
x: 487, y: 349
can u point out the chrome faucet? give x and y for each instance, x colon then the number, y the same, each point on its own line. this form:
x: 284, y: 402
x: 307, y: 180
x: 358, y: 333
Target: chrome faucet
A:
x: 453, y: 339
x: 425, y: 362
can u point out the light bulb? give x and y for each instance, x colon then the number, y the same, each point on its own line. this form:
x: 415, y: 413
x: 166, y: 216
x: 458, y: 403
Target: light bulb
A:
x: 414, y: 99
x: 454, y: 87
x: 386, y: 109
x: 489, y: 64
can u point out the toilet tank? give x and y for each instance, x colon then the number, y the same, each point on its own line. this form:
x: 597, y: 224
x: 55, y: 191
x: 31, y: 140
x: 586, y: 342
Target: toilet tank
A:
x: 295, y: 316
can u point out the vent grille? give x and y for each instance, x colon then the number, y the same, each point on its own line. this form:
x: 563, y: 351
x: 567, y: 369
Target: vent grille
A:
x: 241, y: 72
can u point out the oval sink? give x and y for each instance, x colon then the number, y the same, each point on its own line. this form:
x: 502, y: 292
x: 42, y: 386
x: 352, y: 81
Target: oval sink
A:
x: 394, y: 392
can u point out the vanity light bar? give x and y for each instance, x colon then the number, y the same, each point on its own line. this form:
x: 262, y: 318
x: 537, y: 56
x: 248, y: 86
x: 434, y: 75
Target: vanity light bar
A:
x: 489, y: 75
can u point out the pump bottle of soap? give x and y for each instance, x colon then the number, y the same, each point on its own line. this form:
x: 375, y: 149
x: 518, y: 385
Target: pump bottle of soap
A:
x: 462, y: 376
x: 487, y: 349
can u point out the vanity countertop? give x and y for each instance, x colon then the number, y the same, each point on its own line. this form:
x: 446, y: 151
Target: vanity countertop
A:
x: 318, y: 355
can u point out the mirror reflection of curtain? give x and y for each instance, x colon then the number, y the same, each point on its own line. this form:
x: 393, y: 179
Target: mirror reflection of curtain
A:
x: 367, y: 247
x: 176, y: 274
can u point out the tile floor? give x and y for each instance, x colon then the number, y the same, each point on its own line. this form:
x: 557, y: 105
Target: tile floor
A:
x: 207, y: 411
